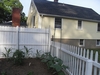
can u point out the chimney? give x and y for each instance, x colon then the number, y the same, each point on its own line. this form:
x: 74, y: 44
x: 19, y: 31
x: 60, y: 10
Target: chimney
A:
x: 56, y: 1
x: 16, y: 17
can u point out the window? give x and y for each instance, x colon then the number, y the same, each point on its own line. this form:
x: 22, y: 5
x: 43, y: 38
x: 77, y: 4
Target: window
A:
x: 98, y: 28
x: 79, y: 24
x: 81, y: 43
x: 98, y: 42
x: 33, y: 21
x: 57, y: 22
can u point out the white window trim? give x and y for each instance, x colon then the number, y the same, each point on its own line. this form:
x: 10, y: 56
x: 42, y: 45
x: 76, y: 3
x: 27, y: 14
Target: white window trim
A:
x: 96, y: 43
x: 61, y: 23
x: 81, y: 25
x: 97, y: 28
x: 83, y: 43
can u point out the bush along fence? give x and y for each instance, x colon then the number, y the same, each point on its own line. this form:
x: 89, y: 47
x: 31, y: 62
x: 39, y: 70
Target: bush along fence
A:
x: 18, y: 37
x: 79, y: 61
x: 54, y: 64
x: 18, y: 56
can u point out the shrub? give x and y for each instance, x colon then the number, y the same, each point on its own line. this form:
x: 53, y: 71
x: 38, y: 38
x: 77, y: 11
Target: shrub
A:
x: 27, y: 52
x: 18, y: 57
x: 7, y: 53
x: 58, y: 66
x: 54, y: 63
x: 3, y: 73
x: 38, y: 54
x: 30, y: 73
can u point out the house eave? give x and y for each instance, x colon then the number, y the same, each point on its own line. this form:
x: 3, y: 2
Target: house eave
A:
x: 50, y: 15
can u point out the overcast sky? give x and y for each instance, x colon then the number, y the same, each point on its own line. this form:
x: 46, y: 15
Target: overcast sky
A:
x: 94, y: 4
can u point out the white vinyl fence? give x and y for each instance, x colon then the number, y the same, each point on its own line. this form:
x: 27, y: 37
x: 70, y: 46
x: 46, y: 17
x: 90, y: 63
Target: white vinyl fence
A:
x: 79, y: 61
x: 17, y: 38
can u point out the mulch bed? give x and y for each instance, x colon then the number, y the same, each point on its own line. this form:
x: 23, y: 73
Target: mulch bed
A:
x: 30, y: 65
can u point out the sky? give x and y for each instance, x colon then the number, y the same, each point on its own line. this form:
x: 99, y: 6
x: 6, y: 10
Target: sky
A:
x: 94, y: 4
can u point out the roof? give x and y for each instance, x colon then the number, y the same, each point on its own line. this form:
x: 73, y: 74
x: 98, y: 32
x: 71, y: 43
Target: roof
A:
x: 66, y: 10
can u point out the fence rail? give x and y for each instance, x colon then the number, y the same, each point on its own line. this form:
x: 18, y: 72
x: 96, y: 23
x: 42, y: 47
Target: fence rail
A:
x: 18, y: 37
x: 79, y: 60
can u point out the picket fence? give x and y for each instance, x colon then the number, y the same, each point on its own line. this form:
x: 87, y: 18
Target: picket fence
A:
x: 18, y: 37
x: 79, y: 61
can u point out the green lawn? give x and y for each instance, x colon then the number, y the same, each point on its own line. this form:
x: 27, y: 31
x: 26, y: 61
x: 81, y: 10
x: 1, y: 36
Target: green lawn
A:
x: 94, y: 51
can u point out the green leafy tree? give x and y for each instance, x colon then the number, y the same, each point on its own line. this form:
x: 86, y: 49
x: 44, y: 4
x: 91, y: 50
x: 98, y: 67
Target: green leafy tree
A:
x: 9, y: 4
x: 4, y: 13
x: 6, y: 9
x: 23, y: 18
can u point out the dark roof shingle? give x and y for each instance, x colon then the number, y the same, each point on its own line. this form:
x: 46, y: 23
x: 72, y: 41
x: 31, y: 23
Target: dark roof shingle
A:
x: 54, y: 8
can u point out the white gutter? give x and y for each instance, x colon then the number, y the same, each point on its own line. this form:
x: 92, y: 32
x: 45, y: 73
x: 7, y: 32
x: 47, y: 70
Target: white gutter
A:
x: 69, y: 17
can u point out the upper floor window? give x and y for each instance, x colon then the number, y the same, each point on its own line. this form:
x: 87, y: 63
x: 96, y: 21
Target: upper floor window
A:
x: 79, y: 24
x: 81, y: 42
x: 98, y: 27
x: 58, y: 22
x: 98, y: 42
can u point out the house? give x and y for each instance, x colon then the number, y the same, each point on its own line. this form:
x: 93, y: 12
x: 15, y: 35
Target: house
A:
x: 74, y: 25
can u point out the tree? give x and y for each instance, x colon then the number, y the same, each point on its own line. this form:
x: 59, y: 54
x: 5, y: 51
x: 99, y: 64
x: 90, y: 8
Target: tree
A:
x: 23, y: 17
x: 6, y: 9
x: 9, y: 4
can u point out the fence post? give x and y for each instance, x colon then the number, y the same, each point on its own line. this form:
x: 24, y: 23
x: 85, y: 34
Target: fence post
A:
x: 57, y: 52
x: 88, y: 70
x: 49, y: 38
x: 96, y: 60
x: 17, y: 37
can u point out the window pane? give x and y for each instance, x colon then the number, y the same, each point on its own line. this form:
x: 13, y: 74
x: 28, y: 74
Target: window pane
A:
x: 98, y: 26
x: 57, y: 22
x: 79, y: 24
x: 98, y: 42
x: 81, y: 42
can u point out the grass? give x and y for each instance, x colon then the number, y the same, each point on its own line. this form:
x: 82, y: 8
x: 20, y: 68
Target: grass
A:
x: 94, y: 51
